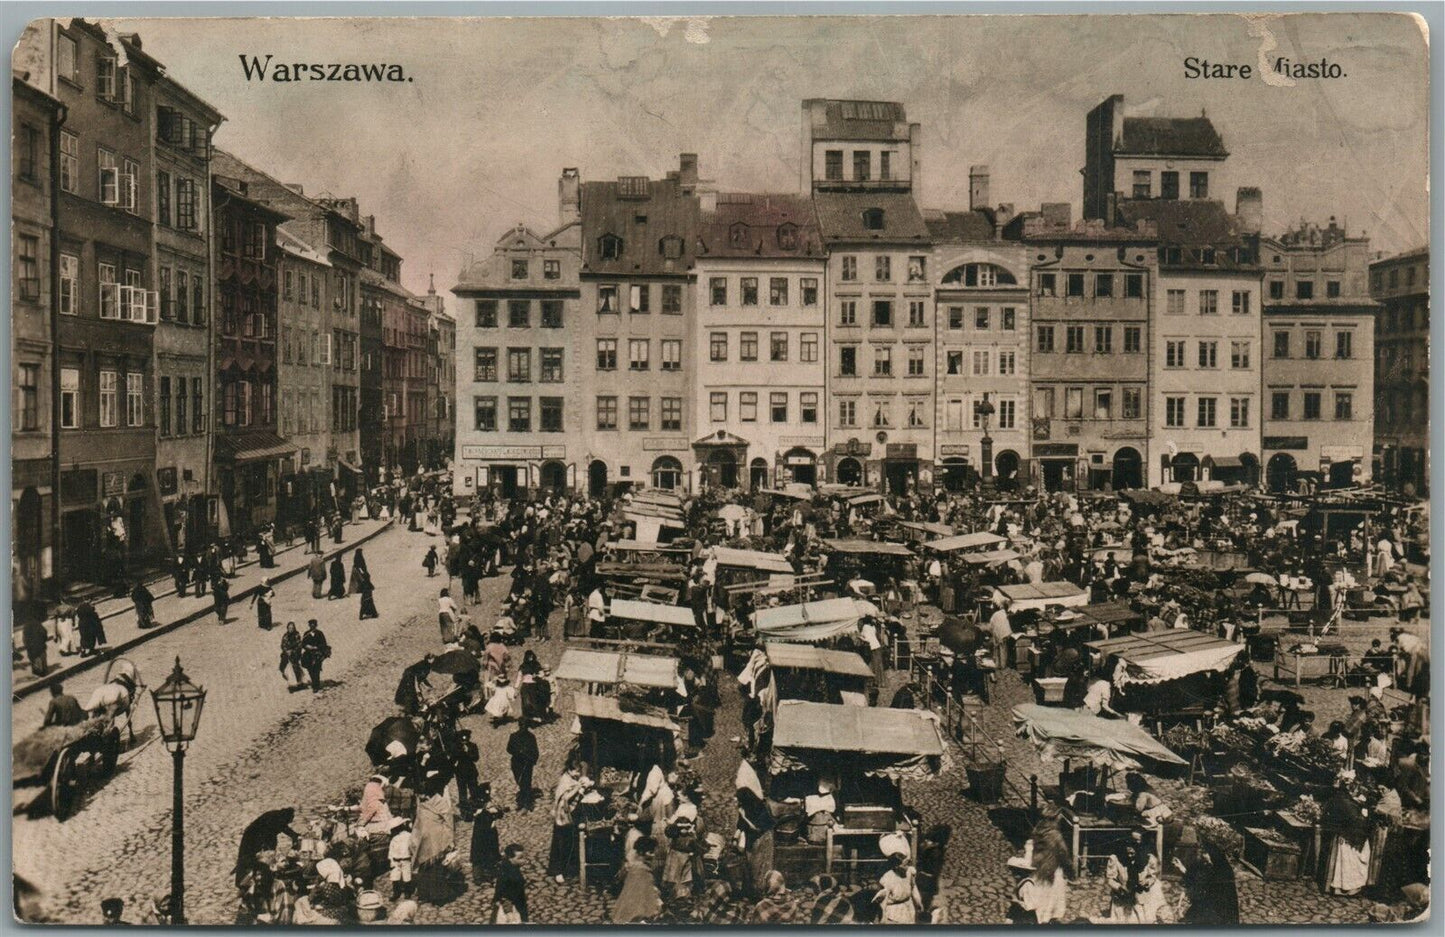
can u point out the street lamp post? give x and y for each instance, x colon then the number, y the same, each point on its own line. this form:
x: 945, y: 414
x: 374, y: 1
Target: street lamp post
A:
x: 984, y: 410
x: 178, y: 704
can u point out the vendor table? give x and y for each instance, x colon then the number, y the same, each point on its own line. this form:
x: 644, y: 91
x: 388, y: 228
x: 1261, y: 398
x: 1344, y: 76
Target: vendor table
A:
x: 1306, y: 836
x: 1300, y: 666
x: 1079, y: 828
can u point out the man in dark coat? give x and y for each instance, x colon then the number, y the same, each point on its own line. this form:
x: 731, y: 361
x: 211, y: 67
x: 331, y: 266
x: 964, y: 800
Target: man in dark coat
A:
x: 413, y: 678
x: 222, y: 590
x: 511, y: 885
x: 37, y: 645
x: 92, y: 632
x: 314, y: 651
x: 338, y: 578
x: 316, y: 572
x: 145, y: 605
x: 260, y: 835
x: 522, y: 748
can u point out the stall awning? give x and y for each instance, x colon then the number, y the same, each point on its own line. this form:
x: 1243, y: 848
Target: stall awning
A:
x: 641, y: 546
x: 990, y: 557
x: 1224, y: 461
x: 1036, y: 595
x: 807, y: 657
x: 647, y: 670
x: 810, y: 621
x: 1168, y: 655
x: 779, y: 493
x: 871, y: 498
x: 647, y: 611
x: 863, y: 547
x: 1072, y: 733
x: 927, y: 527
x: 587, y: 706
x: 1111, y: 613
x: 252, y: 447
x: 866, y: 730
x: 974, y: 541
x: 752, y: 559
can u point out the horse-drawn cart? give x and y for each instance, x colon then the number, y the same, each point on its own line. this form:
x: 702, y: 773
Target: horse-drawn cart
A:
x: 66, y: 762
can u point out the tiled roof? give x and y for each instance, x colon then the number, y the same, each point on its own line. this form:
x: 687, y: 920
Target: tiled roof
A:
x: 862, y: 120
x: 840, y: 217
x: 292, y: 244
x: 954, y: 226
x: 750, y: 225
x: 1170, y: 136
x: 665, y: 213
x: 1184, y: 223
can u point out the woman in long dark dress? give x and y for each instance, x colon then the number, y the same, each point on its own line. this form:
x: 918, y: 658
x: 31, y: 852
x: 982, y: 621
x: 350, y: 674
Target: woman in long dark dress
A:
x: 368, y: 600
x: 486, y: 846
x: 262, y: 599
x: 358, y: 570
x: 1210, y: 887
x: 338, y: 579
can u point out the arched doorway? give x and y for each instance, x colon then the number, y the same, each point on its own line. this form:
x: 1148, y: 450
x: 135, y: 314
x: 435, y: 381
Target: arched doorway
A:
x: 850, y: 472
x: 597, y: 478
x: 758, y: 474
x: 1128, y: 469
x: 802, y: 466
x: 1185, y: 467
x: 957, y: 473
x: 1280, y: 473
x: 722, y: 468
x: 1342, y: 474
x: 666, y: 473
x: 1006, y: 468
x: 1249, y: 469
x: 28, y: 525
x: 554, y: 476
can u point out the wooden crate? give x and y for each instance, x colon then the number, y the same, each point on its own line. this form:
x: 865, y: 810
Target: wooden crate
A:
x: 1270, y: 856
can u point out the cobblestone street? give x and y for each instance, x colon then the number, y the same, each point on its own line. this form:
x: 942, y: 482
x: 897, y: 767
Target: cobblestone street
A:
x: 262, y: 748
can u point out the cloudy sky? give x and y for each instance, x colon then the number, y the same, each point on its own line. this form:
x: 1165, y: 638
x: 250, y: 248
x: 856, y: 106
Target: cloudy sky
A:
x: 497, y: 107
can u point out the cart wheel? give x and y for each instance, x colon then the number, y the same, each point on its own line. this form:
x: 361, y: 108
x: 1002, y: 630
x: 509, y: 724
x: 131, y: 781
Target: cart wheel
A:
x: 66, y: 786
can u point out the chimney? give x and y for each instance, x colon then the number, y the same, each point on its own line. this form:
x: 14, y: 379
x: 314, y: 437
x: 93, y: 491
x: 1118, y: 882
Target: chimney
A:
x: 1057, y: 214
x: 687, y: 171
x: 915, y: 154
x: 1002, y: 217
x: 431, y: 284
x: 569, y: 197
x: 1249, y: 209
x: 977, y: 188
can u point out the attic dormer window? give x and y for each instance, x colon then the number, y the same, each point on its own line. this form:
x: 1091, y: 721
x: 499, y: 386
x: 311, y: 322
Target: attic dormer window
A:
x: 788, y: 237
x: 738, y: 235
x: 609, y: 247
x: 873, y: 219
x: 670, y: 247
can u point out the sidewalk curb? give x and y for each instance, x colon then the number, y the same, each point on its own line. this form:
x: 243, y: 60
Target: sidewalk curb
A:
x: 117, y: 650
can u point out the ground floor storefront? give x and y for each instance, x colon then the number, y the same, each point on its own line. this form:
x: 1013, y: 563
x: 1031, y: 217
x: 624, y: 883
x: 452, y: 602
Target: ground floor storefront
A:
x: 1403, y: 463
x: 1296, y: 463
x: 514, y: 471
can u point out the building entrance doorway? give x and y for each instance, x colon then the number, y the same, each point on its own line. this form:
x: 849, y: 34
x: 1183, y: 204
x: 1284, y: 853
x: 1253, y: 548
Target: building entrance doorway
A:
x: 597, y: 479
x: 504, y: 479
x: 850, y: 472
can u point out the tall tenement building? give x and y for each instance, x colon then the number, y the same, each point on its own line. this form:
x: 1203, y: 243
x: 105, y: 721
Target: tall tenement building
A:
x: 861, y: 163
x: 639, y: 253
x: 522, y: 350
x: 1319, y: 358
x: 1401, y: 285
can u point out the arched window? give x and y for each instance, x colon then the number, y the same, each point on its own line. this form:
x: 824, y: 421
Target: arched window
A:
x: 609, y: 247
x: 788, y: 236
x: 873, y: 219
x: 666, y: 473
x: 738, y: 235
x: 670, y: 247
x: 980, y: 275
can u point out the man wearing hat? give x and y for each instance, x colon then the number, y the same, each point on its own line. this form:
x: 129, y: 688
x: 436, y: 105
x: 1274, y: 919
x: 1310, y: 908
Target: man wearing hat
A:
x: 111, y: 909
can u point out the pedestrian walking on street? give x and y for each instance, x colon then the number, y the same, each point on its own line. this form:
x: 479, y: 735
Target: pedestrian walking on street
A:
x: 92, y: 632
x: 37, y: 645
x: 338, y: 578
x: 266, y: 550
x: 486, y: 846
x: 316, y: 572
x: 291, y: 656
x: 222, y: 590
x: 447, y: 615
x: 510, y: 904
x: 262, y: 599
x: 359, y: 572
x: 522, y: 749
x: 314, y: 652
x: 196, y: 564
x: 368, y: 598
x: 429, y: 562
x: 313, y: 536
x: 181, y: 573
x: 336, y: 527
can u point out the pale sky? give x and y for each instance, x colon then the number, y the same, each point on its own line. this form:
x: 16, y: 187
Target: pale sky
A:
x: 451, y: 160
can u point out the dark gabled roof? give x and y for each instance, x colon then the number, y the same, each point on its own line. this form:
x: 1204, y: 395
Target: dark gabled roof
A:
x: 861, y: 120
x: 1170, y: 136
x: 956, y: 226
x: 763, y: 215
x: 840, y: 217
x: 1184, y: 223
x: 669, y: 213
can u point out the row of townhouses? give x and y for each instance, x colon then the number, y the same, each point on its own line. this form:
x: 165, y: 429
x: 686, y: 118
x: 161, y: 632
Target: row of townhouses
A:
x: 669, y: 333
x: 198, y: 349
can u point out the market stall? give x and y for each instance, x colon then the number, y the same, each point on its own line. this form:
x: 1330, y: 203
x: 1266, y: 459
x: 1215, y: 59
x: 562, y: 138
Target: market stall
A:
x: 1174, y: 673
x: 978, y: 540
x: 1039, y: 595
x: 600, y: 670
x: 623, y: 734
x: 866, y: 564
x: 819, y: 675
x: 810, y: 621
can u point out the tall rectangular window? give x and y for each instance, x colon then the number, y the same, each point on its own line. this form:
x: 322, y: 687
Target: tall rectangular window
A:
x: 717, y: 346
x: 551, y: 366
x: 486, y: 313
x: 1209, y: 354
x: 1169, y: 184
x: 1103, y: 340
x: 1104, y: 285
x: 109, y: 292
x: 606, y: 300
x: 981, y: 318
x: 1304, y: 289
x: 519, y: 414
x: 1173, y: 411
x: 748, y: 346
x: 1074, y: 339
x: 1006, y: 361
x: 1173, y: 354
x: 1207, y: 406
x: 809, y: 288
x: 748, y: 288
x: 671, y: 354
x: 69, y: 162
x: 485, y: 365
x: 882, y: 361
x: 1103, y: 403
x: 606, y: 413
x: 718, y: 406
x: 70, y: 398
x: 980, y: 363
x: 848, y: 361
x: 778, y: 406
x: 808, y: 347
x: 607, y: 354
x: 849, y: 264
x: 1344, y: 405
x: 882, y: 313
x: 69, y: 284
x: 847, y: 413
x: 670, y: 418
x: 718, y: 291
x: 1075, y: 282
x: 748, y: 406
x: 1134, y: 285
x: 27, y: 398
x: 1209, y: 302
x: 1073, y: 403
x: 109, y: 404
x: 778, y: 346
x: 1239, y: 412
x: 1131, y: 404
x: 848, y: 312
x: 198, y: 409
x: 1133, y: 339
x: 1045, y: 343
x: 1312, y: 405
x: 1174, y: 302
x: 1199, y: 185
x: 1240, y: 303
x: 833, y: 165
x: 550, y: 414
x: 1312, y: 345
x: 777, y: 291
x: 1281, y: 344
x: 519, y: 313
x: 187, y: 209
x: 134, y: 400
x: 808, y: 407
x: 640, y: 298
x: 551, y: 313
x: 1239, y: 355
x: 862, y: 163
x: 551, y: 270
x: 639, y: 416
x: 1006, y: 414
x: 163, y: 199
x: 639, y: 354
x: 915, y: 314
x: 1279, y: 405
x: 883, y: 268
x: 916, y: 361
x: 1344, y: 344
x: 1143, y: 183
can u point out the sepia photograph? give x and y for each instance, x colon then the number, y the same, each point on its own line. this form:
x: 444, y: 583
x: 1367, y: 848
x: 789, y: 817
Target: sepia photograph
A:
x: 976, y: 599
